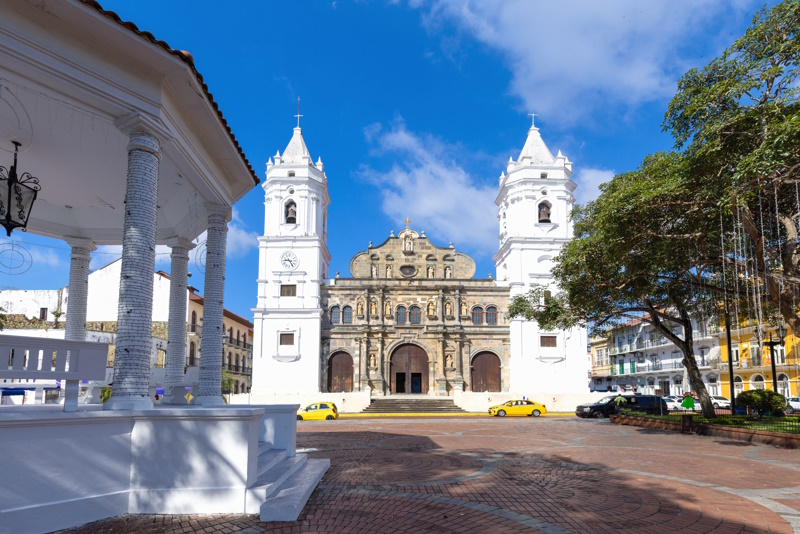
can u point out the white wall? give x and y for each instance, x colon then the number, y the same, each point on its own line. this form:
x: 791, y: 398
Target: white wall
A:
x: 29, y: 301
x: 354, y: 402
x: 554, y: 402
x: 69, y: 469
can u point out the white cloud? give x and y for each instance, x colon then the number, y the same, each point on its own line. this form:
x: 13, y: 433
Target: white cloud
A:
x: 589, y: 181
x: 430, y: 187
x: 44, y: 256
x: 569, y: 60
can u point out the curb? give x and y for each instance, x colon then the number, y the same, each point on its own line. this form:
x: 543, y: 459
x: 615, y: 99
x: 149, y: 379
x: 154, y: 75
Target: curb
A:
x: 468, y: 414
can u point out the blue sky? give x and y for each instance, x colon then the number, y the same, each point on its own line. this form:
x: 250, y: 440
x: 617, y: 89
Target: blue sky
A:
x: 415, y: 106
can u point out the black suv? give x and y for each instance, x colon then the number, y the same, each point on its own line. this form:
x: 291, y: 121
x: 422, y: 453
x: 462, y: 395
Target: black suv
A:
x: 606, y: 406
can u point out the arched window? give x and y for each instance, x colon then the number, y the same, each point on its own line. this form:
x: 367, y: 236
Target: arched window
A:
x: 544, y: 212
x: 757, y: 382
x: 347, y: 315
x: 400, y: 317
x: 230, y: 335
x: 236, y: 387
x: 237, y: 364
x: 238, y: 337
x: 191, y: 354
x: 290, y: 214
x: 783, y: 385
x: 335, y: 314
x: 230, y: 361
x: 491, y: 315
x: 738, y: 385
x: 477, y: 315
x: 414, y: 315
x: 193, y: 328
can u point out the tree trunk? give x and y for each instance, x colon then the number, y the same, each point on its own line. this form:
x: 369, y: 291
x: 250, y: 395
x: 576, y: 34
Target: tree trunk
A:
x: 687, y: 348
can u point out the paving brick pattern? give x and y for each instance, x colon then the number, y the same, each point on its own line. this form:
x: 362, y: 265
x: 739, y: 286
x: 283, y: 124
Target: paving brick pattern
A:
x: 555, y: 475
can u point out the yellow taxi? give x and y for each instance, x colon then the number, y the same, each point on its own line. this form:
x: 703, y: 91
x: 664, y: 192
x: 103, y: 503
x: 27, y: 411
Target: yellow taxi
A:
x: 318, y: 411
x: 518, y: 407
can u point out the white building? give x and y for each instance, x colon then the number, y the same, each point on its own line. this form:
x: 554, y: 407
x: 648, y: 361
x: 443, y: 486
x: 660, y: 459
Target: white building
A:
x: 639, y: 358
x: 412, y: 310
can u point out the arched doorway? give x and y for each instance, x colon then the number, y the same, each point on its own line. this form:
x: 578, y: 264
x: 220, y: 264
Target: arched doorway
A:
x: 340, y: 373
x: 485, y: 372
x: 409, y: 370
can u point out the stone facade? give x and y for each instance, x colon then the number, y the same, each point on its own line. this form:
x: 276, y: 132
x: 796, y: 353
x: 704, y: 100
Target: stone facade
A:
x: 409, y: 270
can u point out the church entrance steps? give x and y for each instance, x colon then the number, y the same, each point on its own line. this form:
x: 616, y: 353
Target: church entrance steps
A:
x: 284, y: 483
x: 411, y: 404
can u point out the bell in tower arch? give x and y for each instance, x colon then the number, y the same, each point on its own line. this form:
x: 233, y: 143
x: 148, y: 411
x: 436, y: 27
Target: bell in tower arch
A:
x: 291, y: 213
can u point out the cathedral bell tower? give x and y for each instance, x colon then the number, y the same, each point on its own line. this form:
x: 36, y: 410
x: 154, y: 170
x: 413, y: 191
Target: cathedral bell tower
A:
x: 293, y: 261
x: 534, y: 201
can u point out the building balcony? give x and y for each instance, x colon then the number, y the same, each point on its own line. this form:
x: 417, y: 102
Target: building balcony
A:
x: 237, y: 343
x: 194, y: 330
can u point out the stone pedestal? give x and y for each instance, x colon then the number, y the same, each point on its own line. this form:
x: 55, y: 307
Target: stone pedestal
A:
x: 441, y: 387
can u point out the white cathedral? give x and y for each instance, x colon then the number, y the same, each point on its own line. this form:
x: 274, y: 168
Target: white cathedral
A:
x: 411, y: 318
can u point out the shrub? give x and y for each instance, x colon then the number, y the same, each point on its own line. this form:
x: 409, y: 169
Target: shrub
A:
x: 761, y: 400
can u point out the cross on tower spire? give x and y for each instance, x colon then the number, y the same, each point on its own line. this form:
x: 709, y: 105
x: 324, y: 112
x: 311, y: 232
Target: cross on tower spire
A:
x: 407, y: 221
x: 531, y: 115
x: 298, y: 112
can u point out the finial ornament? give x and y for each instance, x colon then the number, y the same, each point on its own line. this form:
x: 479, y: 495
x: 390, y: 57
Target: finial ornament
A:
x: 298, y: 112
x: 407, y: 221
x: 531, y: 115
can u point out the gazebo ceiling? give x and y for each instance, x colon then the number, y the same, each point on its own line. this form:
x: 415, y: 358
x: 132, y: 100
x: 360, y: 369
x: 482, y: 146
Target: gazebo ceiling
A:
x: 86, y: 80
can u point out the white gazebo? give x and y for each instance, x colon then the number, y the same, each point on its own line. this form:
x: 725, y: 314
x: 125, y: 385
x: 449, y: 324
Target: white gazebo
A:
x: 129, y: 148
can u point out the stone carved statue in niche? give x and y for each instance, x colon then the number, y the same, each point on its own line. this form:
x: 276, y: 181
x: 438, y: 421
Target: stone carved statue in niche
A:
x: 431, y: 308
x: 388, y: 271
x: 448, y: 272
x: 449, y: 362
x: 387, y: 309
x: 360, y: 308
x: 463, y: 308
x: 408, y: 246
x: 373, y: 308
x: 374, y: 271
x: 372, y: 360
x: 448, y: 309
x: 431, y: 271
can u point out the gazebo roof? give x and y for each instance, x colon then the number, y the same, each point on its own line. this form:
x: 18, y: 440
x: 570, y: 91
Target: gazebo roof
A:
x: 86, y: 79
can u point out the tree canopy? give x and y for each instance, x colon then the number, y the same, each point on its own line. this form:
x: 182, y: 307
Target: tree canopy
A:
x: 714, y: 220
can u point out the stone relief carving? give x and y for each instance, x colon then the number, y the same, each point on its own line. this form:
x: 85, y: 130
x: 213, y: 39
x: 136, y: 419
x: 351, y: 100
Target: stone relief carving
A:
x: 448, y: 309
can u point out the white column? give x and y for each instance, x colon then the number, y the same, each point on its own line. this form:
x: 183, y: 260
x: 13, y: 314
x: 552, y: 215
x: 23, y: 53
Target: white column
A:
x: 210, y: 390
x: 78, y: 293
x: 176, y: 342
x: 135, y: 312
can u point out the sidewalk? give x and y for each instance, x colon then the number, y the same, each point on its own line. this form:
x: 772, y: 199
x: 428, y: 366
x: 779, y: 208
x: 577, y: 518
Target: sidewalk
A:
x: 519, y: 475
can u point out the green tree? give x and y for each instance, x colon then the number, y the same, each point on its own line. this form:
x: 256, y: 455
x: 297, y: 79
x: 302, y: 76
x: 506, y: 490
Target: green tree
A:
x: 761, y: 400
x: 227, y: 382
x: 635, y: 255
x: 738, y: 121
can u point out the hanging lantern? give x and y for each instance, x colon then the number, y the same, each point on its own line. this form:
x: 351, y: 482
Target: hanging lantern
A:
x: 16, y: 196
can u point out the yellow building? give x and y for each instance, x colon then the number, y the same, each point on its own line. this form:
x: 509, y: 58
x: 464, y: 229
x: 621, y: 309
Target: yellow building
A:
x: 752, y: 367
x: 600, y: 375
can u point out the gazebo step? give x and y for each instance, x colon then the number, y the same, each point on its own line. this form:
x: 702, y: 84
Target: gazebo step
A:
x: 292, y: 496
x: 269, y: 459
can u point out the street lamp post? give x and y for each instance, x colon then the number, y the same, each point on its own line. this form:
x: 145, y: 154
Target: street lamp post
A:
x: 17, y: 195
x: 771, y: 343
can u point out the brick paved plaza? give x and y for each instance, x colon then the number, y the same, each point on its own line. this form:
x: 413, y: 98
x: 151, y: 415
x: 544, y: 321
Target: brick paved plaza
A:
x: 516, y: 475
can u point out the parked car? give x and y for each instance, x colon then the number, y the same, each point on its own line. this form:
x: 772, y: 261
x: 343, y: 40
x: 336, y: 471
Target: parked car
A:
x: 607, y: 406
x: 318, y: 411
x: 673, y: 403
x: 518, y: 407
x: 793, y: 404
x: 720, y: 402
